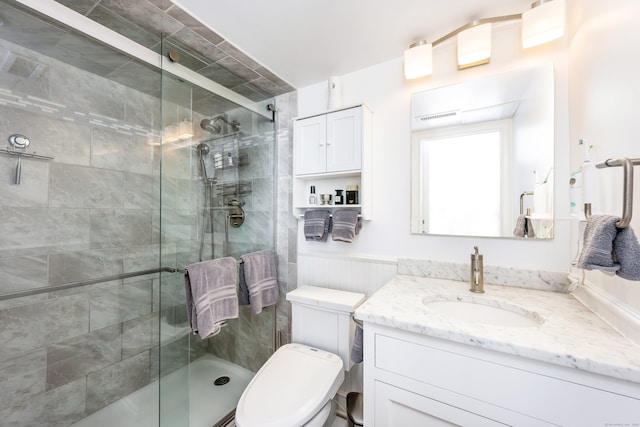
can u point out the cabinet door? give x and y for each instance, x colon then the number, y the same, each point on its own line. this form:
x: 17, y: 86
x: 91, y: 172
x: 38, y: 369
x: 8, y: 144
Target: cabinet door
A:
x: 344, y: 140
x: 310, y: 136
x: 397, y: 407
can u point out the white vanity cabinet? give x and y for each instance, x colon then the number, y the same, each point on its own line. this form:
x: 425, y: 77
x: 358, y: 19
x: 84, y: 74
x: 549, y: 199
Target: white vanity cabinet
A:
x: 333, y: 150
x: 416, y: 380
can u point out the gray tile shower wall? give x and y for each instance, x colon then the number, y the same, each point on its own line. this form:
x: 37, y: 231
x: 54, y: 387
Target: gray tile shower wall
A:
x: 93, y: 211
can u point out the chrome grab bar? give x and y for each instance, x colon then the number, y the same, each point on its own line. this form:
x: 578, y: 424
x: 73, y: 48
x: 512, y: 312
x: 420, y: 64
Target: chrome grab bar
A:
x: 78, y: 284
x: 81, y: 283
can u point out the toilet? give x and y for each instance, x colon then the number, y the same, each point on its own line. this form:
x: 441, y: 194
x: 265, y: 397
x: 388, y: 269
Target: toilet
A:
x: 296, y: 386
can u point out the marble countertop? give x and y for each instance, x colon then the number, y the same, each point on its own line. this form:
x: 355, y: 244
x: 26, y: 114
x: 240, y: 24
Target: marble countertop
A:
x: 569, y: 335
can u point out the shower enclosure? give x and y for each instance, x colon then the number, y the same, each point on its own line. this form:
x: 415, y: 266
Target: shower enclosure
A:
x: 131, y: 173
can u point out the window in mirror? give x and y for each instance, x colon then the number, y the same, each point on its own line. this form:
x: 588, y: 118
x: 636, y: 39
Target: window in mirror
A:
x: 522, y: 98
x: 478, y: 209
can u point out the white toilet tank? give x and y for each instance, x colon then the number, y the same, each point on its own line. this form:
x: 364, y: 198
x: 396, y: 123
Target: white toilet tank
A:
x: 321, y: 318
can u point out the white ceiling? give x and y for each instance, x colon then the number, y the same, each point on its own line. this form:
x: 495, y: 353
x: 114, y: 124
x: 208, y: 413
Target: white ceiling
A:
x: 306, y: 41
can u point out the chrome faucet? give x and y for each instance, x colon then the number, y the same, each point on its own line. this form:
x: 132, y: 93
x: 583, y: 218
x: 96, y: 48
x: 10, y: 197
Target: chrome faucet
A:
x: 476, y: 272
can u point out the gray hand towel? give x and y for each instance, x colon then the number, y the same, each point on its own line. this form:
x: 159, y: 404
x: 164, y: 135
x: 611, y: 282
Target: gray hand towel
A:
x: 317, y: 225
x: 243, y: 290
x: 519, y: 230
x: 211, y: 295
x: 260, y: 277
x: 626, y: 252
x: 528, y: 228
x: 597, y: 247
x: 524, y: 227
x: 346, y: 225
x: 356, y: 348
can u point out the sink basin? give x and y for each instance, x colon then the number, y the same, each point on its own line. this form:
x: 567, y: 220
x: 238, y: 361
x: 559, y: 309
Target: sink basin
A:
x: 478, y: 310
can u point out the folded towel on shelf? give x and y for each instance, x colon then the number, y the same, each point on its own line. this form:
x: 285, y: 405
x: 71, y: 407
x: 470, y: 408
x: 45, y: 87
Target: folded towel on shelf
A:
x: 346, y: 225
x: 356, y: 348
x: 626, y: 252
x: 597, y: 246
x: 260, y: 278
x: 317, y: 225
x: 211, y: 295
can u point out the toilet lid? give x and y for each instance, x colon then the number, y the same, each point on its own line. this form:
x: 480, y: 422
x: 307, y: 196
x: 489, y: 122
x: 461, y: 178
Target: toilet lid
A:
x: 294, y: 384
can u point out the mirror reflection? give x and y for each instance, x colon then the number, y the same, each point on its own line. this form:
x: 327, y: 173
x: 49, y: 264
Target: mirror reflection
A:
x: 482, y: 157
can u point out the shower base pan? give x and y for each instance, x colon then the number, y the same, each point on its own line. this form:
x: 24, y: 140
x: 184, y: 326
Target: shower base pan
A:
x: 208, y: 403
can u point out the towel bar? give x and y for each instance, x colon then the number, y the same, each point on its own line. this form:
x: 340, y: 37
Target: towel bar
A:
x: 526, y: 193
x: 331, y: 215
x: 627, y: 202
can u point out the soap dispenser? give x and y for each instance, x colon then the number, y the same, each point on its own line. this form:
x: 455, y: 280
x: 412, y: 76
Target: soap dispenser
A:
x: 476, y: 272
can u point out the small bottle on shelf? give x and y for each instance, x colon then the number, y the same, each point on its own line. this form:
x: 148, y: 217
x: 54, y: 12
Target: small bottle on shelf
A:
x: 337, y: 199
x: 312, y: 195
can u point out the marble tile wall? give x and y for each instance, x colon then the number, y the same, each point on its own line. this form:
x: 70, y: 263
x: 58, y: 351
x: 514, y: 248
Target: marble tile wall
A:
x: 93, y: 211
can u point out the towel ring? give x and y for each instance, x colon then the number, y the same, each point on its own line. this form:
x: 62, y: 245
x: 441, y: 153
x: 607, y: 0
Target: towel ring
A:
x: 627, y: 203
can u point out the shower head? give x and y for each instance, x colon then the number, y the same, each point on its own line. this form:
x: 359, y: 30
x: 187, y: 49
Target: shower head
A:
x: 211, y: 125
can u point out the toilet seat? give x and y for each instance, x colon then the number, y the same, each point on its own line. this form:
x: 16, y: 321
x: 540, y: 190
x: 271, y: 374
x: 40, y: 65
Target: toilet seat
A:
x: 291, y: 388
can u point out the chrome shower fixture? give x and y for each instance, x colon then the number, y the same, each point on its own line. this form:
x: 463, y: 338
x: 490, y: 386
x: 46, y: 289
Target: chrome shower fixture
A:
x: 212, y: 125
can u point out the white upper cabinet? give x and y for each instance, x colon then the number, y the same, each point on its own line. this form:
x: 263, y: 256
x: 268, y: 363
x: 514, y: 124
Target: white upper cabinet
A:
x: 344, y: 140
x: 329, y: 143
x: 311, y: 145
x: 333, y: 151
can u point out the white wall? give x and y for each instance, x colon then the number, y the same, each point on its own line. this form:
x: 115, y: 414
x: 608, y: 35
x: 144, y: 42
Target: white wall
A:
x: 383, y: 88
x: 605, y: 109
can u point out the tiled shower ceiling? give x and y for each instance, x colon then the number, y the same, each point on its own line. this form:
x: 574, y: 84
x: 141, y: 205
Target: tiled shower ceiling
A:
x: 209, y: 54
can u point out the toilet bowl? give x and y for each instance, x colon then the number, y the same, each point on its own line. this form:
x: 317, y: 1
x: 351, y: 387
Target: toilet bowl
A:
x: 295, y: 387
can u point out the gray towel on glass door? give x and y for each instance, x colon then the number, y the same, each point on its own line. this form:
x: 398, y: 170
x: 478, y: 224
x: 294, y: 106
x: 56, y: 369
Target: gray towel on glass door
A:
x: 260, y: 277
x: 243, y: 291
x: 317, y: 225
x: 346, y: 225
x: 597, y: 246
x: 626, y: 252
x: 211, y: 295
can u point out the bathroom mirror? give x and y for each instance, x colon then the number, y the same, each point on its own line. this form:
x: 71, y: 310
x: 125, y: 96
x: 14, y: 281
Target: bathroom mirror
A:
x: 482, y: 157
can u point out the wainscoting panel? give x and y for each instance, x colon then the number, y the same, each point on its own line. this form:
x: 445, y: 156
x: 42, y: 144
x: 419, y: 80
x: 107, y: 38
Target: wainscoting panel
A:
x: 355, y: 274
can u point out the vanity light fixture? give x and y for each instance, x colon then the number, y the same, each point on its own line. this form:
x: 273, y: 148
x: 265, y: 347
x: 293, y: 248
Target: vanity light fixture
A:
x: 474, y: 45
x: 418, y: 60
x: 543, y: 22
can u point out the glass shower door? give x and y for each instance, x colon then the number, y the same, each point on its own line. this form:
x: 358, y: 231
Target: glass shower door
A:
x: 217, y: 200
